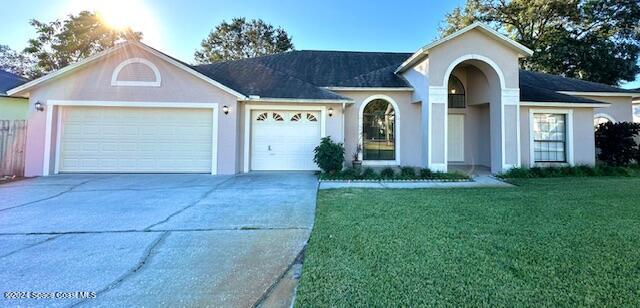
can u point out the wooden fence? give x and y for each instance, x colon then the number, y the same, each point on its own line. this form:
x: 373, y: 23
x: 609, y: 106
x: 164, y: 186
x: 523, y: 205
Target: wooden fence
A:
x: 13, y: 136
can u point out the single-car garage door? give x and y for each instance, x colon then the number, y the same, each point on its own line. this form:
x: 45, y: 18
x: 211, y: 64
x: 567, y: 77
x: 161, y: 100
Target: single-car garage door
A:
x: 284, y: 140
x: 129, y: 140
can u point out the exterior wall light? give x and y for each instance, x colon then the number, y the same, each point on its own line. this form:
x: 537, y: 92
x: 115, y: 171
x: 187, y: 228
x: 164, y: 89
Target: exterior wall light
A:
x: 39, y: 106
x: 330, y: 111
x: 225, y: 109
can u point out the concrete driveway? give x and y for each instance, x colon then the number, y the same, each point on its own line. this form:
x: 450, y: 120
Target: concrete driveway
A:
x: 152, y: 240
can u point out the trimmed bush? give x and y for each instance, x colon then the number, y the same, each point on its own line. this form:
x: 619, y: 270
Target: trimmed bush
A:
x: 408, y: 172
x: 578, y: 171
x: 348, y: 173
x: 425, y: 173
x: 329, y: 156
x: 369, y: 174
x: 387, y: 173
x: 617, y: 143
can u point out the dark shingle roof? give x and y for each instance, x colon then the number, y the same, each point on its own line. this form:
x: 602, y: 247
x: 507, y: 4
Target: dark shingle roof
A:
x: 559, y: 83
x: 9, y: 81
x: 304, y: 74
x: 540, y: 95
x: 250, y: 77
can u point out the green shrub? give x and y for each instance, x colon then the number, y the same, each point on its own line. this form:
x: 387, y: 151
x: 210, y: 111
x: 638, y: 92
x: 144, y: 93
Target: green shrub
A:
x: 369, y: 174
x: 329, y: 156
x: 425, y: 173
x: 567, y: 171
x: 348, y: 174
x: 616, y: 142
x: 387, y: 173
x: 408, y: 172
x: 448, y: 176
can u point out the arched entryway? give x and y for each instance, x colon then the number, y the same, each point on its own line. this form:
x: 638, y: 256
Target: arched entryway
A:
x: 471, y: 120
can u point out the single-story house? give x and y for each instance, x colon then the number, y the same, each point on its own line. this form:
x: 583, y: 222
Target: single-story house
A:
x: 460, y: 100
x: 11, y: 108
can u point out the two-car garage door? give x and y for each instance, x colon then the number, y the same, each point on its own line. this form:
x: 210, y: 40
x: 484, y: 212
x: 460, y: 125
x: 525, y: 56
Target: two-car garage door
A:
x: 96, y: 139
x: 144, y: 140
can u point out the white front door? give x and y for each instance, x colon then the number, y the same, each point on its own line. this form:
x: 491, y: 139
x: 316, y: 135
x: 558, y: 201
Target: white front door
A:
x: 136, y: 140
x: 455, y: 142
x: 284, y: 140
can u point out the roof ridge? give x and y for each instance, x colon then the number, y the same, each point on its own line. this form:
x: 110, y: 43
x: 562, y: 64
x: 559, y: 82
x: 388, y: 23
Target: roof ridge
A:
x: 355, y: 51
x: 246, y: 59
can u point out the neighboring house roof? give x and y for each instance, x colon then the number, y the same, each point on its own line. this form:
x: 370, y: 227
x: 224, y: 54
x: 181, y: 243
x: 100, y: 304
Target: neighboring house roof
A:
x: 9, y: 81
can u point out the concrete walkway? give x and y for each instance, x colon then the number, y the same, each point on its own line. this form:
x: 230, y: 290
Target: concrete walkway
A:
x: 479, y: 181
x: 153, y: 240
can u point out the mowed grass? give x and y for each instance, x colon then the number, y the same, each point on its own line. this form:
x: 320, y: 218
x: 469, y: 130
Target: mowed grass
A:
x: 550, y: 242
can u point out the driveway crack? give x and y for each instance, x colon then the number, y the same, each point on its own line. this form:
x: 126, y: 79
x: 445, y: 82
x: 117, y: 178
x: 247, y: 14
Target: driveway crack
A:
x: 47, y: 198
x: 204, y: 195
x: 146, y: 257
x: 265, y: 295
x: 32, y: 245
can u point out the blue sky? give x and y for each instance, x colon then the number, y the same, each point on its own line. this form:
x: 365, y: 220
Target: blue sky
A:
x: 178, y: 27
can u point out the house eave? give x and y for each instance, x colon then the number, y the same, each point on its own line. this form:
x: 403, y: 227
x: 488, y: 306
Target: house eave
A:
x: 23, y: 89
x: 603, y: 94
x: 376, y: 89
x: 296, y: 100
x: 561, y: 104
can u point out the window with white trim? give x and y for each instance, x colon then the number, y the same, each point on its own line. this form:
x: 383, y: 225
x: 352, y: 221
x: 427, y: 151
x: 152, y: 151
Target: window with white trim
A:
x: 550, y: 137
x: 378, y: 131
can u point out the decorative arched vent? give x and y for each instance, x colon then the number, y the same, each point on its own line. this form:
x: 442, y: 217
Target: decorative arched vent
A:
x: 311, y: 117
x: 296, y: 117
x: 136, y: 72
x: 262, y: 117
x: 277, y: 117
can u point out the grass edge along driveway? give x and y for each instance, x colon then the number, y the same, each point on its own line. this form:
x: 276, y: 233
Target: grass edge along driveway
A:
x: 563, y: 241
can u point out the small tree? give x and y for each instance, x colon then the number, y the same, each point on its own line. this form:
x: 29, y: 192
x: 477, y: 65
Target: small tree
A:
x: 242, y: 38
x: 616, y: 142
x: 329, y: 156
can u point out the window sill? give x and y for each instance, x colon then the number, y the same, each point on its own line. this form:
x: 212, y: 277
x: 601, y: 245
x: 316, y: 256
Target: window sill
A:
x: 380, y: 163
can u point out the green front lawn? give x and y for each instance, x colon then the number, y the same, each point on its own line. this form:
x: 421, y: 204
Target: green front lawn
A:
x: 562, y: 241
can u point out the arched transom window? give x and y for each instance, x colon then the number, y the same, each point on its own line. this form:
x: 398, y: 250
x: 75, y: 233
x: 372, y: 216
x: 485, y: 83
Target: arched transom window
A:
x: 456, y: 93
x: 379, y: 131
x: 601, y: 118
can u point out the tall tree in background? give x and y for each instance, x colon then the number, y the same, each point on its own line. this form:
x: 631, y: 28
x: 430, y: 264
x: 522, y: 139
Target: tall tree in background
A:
x: 60, y: 43
x: 15, y: 62
x: 242, y: 39
x: 596, y: 40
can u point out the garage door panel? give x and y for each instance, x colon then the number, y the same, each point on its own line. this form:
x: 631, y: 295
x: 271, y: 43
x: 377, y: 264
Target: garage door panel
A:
x: 284, y: 140
x: 119, y: 139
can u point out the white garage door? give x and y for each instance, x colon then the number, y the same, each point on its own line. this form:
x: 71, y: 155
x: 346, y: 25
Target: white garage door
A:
x: 145, y: 140
x: 284, y: 140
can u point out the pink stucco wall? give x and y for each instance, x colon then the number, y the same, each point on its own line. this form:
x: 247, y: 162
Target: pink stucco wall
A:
x: 93, y: 82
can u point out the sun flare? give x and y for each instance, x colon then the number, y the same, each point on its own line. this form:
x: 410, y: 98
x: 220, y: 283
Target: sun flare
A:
x: 119, y: 14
